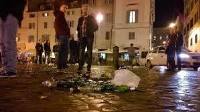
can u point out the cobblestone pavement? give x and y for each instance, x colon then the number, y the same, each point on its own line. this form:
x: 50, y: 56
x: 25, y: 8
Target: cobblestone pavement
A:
x: 158, y: 91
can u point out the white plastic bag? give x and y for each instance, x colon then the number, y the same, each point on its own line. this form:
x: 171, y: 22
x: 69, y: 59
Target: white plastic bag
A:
x: 126, y: 77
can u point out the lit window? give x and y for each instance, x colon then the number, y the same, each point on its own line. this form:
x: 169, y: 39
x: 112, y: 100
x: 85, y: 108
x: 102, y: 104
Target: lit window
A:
x: 132, y: 16
x: 45, y: 14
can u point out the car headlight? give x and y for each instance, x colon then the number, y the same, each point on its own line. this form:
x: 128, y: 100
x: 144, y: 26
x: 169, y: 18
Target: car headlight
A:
x: 184, y: 55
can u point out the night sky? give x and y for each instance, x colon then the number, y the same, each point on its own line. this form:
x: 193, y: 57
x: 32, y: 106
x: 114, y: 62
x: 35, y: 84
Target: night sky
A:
x: 167, y: 11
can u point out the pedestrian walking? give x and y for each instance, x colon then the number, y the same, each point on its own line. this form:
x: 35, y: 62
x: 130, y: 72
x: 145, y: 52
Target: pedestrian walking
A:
x: 39, y: 51
x: 170, y: 51
x: 87, y: 25
x: 179, y: 45
x: 11, y: 15
x: 131, y: 53
x: 55, y: 50
x: 47, y: 51
x: 62, y: 32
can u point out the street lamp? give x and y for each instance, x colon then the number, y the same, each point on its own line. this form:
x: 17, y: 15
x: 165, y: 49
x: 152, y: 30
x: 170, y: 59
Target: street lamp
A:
x: 172, y: 25
x: 99, y: 18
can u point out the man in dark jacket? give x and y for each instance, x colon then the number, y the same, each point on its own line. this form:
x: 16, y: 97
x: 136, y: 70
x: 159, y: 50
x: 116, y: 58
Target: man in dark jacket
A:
x: 47, y: 50
x: 39, y: 51
x: 170, y: 51
x: 179, y: 45
x: 87, y: 25
x: 62, y: 32
x: 11, y: 15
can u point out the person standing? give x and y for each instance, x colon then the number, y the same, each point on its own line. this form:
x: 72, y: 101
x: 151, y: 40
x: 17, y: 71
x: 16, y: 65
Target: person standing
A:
x: 170, y: 51
x: 131, y: 53
x: 47, y: 50
x: 179, y: 45
x: 62, y: 32
x: 87, y: 25
x: 11, y: 15
x: 55, y: 50
x: 39, y: 51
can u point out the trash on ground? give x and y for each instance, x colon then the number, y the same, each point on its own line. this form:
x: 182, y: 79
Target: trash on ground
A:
x: 123, y: 81
x: 50, y: 83
x: 125, y: 77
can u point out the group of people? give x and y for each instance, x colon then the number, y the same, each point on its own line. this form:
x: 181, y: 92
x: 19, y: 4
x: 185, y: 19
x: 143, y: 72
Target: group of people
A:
x: 11, y: 15
x: 175, y: 44
x: 87, y: 25
x: 43, y: 52
x: 40, y: 48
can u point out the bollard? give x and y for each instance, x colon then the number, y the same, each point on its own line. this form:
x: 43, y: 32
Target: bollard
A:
x: 116, y: 57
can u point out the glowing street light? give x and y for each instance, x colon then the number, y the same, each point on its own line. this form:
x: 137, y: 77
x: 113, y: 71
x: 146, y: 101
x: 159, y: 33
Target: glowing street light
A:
x: 99, y: 17
x: 172, y: 25
x: 164, y: 42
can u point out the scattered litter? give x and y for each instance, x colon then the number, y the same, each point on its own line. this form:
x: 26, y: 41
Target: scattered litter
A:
x: 125, y: 77
x: 50, y: 83
x: 124, y: 81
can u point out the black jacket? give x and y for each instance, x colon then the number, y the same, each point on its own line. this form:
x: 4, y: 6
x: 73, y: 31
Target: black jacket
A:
x: 47, y: 47
x: 39, y: 48
x: 179, y: 41
x: 61, y: 26
x: 91, y: 26
x: 14, y: 7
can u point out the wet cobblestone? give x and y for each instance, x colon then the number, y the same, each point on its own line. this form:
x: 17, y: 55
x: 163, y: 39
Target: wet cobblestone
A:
x: 157, y: 92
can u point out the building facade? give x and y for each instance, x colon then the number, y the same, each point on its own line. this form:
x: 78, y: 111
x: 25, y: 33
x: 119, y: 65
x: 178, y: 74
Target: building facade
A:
x: 192, y: 24
x: 121, y: 22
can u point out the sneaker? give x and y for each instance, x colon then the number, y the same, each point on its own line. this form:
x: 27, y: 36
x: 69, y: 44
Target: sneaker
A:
x: 8, y: 74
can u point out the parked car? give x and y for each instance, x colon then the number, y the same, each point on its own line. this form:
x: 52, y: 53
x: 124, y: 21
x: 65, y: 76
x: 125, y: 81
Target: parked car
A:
x: 157, y: 57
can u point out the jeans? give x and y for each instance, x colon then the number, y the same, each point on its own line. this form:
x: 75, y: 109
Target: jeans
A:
x: 8, y: 30
x: 39, y: 57
x: 86, y: 42
x: 62, y: 52
x: 47, y: 57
